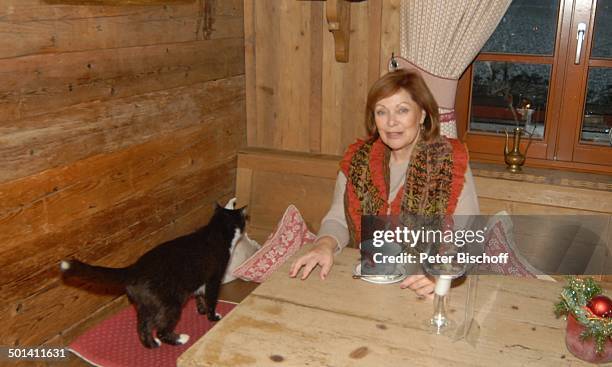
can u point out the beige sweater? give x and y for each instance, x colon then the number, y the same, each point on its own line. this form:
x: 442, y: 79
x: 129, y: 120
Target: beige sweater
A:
x: 334, y: 223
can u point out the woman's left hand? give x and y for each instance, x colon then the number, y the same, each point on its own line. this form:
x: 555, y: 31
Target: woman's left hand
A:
x: 420, y: 284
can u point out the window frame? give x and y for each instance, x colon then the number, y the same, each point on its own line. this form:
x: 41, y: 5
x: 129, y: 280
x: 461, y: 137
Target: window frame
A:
x: 560, y: 147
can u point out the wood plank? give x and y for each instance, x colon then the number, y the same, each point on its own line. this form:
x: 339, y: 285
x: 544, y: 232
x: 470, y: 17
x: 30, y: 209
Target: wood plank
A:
x: 116, y: 2
x: 52, y: 140
x: 21, y: 11
x: 20, y: 194
x: 275, y: 191
x: 345, y: 86
x: 532, y: 193
x: 375, y: 23
x: 331, y: 118
x: 36, y: 85
x: 317, y: 25
x: 267, y: 64
x: 294, y: 63
x: 545, y: 176
x: 492, y: 206
x: 250, y: 58
x: 389, y: 42
x: 259, y: 234
x: 355, y: 79
x: 135, y: 29
x: 244, y: 182
x: 315, y: 165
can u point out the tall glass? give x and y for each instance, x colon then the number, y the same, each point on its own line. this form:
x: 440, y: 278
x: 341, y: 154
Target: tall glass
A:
x: 444, y: 272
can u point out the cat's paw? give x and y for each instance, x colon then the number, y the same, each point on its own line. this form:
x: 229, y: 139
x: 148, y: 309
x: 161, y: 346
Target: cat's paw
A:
x: 201, y: 309
x: 182, y: 339
x: 215, y: 317
x: 151, y: 343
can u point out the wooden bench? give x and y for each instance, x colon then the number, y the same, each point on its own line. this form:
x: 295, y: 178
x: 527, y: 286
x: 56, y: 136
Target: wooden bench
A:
x: 269, y: 180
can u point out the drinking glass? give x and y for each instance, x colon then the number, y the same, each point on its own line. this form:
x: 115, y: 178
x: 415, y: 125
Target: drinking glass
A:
x: 444, y: 272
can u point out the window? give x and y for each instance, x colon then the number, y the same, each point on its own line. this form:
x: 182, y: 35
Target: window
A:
x: 534, y: 73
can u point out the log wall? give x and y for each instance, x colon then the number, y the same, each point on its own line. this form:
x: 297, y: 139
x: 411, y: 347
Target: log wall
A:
x: 119, y: 127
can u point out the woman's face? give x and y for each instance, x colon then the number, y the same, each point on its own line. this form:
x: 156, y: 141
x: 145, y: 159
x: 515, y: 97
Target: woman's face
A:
x: 398, y: 121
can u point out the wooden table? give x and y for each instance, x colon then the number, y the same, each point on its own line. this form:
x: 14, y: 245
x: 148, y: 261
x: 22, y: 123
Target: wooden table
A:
x: 346, y: 322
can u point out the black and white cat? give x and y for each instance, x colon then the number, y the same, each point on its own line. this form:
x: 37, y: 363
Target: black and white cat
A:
x: 160, y: 281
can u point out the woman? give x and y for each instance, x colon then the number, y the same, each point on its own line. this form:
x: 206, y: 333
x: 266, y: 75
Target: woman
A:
x: 405, y: 156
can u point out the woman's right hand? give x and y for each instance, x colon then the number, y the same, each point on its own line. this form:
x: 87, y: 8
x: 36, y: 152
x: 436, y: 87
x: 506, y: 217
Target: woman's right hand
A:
x: 321, y: 254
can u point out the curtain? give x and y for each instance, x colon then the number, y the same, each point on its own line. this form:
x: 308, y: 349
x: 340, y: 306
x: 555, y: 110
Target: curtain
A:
x: 441, y: 38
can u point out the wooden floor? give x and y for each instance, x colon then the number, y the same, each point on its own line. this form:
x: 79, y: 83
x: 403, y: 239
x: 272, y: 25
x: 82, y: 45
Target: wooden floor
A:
x: 234, y: 291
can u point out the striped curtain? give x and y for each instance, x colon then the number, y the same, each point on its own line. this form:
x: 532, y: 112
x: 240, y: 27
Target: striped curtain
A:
x: 441, y: 38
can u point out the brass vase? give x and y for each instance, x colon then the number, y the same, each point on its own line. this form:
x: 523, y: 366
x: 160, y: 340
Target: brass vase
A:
x: 514, y: 158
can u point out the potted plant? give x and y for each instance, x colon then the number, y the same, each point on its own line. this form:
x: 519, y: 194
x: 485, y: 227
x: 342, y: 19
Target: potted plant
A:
x: 589, y: 320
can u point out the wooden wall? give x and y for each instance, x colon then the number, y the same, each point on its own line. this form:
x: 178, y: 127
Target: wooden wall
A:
x: 299, y: 98
x: 119, y: 127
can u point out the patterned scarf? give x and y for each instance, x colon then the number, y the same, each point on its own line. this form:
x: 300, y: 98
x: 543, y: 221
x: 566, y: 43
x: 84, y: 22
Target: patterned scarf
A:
x: 434, y: 180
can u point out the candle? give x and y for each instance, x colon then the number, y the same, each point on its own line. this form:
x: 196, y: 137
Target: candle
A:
x: 443, y: 285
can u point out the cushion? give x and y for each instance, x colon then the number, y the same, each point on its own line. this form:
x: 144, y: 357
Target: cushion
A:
x: 244, y: 249
x: 498, y: 239
x: 114, y: 342
x: 290, y: 235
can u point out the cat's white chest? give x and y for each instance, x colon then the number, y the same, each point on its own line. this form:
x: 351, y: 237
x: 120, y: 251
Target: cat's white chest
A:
x: 235, y: 240
x: 237, y: 237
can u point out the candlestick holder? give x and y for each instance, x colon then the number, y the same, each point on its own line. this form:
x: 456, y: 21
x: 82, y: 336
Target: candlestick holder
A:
x: 444, y: 272
x: 440, y: 322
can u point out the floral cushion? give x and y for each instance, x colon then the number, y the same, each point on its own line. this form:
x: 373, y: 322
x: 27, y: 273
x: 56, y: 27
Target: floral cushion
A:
x: 290, y: 235
x: 499, y: 239
x: 244, y: 249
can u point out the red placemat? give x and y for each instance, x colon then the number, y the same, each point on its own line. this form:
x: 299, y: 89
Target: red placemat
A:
x: 114, y: 342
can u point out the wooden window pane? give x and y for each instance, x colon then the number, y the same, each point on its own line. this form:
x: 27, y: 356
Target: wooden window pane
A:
x: 597, y: 120
x: 507, y: 94
x: 528, y: 27
x: 602, y: 37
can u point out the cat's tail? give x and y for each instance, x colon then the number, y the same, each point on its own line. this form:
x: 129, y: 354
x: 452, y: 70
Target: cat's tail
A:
x: 75, y: 268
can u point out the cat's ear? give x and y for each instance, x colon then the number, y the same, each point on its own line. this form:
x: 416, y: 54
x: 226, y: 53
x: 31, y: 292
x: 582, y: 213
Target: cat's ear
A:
x: 218, y: 207
x: 231, y: 204
x: 243, y: 211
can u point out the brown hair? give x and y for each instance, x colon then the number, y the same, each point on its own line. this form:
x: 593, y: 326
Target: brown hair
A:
x: 413, y: 83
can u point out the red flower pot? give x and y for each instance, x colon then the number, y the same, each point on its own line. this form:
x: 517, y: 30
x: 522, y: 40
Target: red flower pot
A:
x: 585, y: 350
